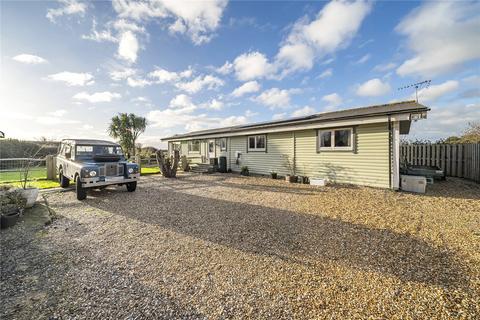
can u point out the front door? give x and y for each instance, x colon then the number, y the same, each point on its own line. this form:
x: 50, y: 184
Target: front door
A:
x: 211, y: 149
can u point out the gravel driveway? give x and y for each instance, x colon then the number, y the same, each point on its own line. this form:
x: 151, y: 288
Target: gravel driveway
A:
x: 224, y: 246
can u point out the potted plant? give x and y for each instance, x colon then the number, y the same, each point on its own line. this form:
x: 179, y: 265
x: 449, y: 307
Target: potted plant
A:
x: 304, y: 179
x: 11, y: 206
x: 290, y: 165
x: 28, y: 192
x: 273, y: 174
x: 244, y: 171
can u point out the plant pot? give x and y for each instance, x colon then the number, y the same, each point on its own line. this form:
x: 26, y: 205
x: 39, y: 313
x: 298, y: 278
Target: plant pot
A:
x: 30, y: 194
x: 274, y: 175
x: 10, y: 219
x: 291, y: 179
x: 304, y: 180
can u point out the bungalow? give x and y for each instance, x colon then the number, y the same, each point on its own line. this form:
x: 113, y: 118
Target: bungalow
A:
x: 357, y: 146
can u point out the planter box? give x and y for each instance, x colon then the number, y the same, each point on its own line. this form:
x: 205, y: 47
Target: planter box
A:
x: 318, y: 182
x: 30, y: 194
x: 415, y: 184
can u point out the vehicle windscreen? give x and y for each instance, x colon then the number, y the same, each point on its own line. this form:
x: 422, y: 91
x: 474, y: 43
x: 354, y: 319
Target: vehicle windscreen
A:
x: 90, y: 151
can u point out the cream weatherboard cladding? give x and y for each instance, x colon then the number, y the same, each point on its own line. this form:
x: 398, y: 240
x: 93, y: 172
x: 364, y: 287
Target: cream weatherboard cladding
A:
x: 278, y: 146
x: 368, y: 165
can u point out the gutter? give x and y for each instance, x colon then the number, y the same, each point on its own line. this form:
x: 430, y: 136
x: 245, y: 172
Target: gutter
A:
x: 285, y: 124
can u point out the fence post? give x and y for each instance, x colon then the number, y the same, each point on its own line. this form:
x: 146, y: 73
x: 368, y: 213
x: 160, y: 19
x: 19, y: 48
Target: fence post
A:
x: 138, y: 160
x: 51, y: 167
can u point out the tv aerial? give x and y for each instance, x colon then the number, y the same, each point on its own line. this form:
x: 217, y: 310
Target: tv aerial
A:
x: 418, y: 86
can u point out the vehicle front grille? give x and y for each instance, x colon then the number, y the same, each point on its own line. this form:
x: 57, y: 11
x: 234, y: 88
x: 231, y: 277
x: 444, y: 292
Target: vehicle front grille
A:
x: 120, y: 169
x: 101, y: 171
x: 111, y: 169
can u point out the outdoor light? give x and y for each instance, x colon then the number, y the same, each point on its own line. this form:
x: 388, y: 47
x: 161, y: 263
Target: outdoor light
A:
x: 130, y: 170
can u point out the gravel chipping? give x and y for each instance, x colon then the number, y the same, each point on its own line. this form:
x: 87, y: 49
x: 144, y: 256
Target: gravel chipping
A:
x: 223, y: 246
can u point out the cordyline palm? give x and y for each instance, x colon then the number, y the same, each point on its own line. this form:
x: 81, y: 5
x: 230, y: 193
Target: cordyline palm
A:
x: 127, y: 127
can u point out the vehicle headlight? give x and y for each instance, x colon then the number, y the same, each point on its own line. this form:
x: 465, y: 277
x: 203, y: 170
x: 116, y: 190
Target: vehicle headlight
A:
x: 93, y: 173
x: 130, y: 170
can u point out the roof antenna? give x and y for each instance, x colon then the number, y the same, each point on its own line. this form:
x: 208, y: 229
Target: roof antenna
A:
x: 418, y: 86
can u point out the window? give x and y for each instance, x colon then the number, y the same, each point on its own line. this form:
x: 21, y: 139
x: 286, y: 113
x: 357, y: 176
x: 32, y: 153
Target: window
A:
x: 257, y: 143
x: 194, y: 146
x: 223, y: 144
x: 211, y: 146
x: 336, y: 139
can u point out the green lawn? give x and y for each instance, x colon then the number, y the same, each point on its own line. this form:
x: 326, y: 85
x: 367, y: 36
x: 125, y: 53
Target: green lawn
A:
x: 41, y: 184
x: 150, y: 170
x: 38, y: 178
x: 38, y: 173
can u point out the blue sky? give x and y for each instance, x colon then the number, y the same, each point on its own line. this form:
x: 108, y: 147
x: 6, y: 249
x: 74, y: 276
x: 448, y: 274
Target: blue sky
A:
x: 69, y: 66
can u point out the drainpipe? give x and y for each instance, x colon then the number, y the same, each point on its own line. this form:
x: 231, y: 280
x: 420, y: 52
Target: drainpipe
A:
x: 390, y: 152
x: 294, y: 154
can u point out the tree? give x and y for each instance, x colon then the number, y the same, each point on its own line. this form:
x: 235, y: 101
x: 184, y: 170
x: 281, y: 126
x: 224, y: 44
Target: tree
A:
x: 126, y: 128
x: 472, y: 133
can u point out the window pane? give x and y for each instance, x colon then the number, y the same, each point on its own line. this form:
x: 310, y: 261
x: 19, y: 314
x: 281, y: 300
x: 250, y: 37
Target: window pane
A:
x: 223, y: 144
x: 196, y: 145
x: 210, y: 147
x: 260, y: 142
x: 342, y: 138
x: 251, y: 142
x: 326, y: 139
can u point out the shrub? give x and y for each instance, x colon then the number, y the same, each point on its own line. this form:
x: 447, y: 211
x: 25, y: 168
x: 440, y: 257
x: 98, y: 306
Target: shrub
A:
x: 11, y: 201
x: 245, y: 171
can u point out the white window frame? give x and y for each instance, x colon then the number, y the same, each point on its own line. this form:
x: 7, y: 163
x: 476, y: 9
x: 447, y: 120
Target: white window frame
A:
x: 332, y: 138
x: 224, y: 147
x: 190, y: 143
x: 255, y: 137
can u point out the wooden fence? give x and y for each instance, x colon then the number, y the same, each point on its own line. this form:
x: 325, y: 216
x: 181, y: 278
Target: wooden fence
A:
x: 458, y: 160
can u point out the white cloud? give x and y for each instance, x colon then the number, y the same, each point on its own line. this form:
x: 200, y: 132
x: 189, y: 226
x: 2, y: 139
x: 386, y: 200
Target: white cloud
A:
x: 385, y: 67
x: 58, y: 113
x: 164, y: 76
x: 325, y: 74
x: 105, y: 96
x: 333, y: 29
x: 333, y: 99
x: 443, y: 35
x: 274, y: 98
x: 372, y: 88
x: 184, y: 102
x: 233, y: 121
x: 124, y: 25
x: 197, y: 19
x: 214, y: 104
x: 363, y: 59
x: 122, y: 74
x: 128, y: 47
x: 279, y: 116
x: 247, y: 87
x: 99, y: 36
x: 226, y: 68
x: 72, y: 78
x: 47, y: 120
x: 305, y: 111
x: 197, y: 84
x: 251, y: 65
x: 138, y: 82
x: 29, y: 59
x: 434, y: 92
x: 68, y: 7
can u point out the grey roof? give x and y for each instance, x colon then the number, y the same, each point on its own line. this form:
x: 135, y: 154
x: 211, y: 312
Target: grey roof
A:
x: 370, y: 111
x: 91, y: 142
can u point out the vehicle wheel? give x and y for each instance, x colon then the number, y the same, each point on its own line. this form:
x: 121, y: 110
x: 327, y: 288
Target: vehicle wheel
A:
x: 81, y: 191
x: 64, y: 181
x: 131, y: 186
